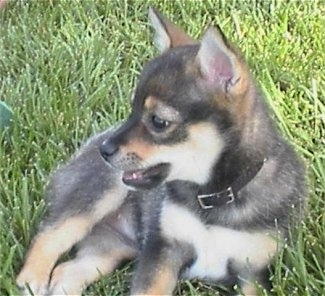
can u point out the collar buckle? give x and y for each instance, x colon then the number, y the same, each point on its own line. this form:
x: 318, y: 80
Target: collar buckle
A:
x: 233, y: 191
x: 209, y: 201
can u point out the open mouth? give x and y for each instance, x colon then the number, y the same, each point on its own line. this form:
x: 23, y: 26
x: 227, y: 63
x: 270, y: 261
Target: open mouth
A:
x: 146, y: 178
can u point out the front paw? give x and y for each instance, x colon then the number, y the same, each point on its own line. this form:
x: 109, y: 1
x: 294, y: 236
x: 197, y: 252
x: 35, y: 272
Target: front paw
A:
x: 65, y: 280
x: 32, y: 282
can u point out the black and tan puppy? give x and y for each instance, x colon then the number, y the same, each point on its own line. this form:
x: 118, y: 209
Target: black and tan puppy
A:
x: 197, y: 183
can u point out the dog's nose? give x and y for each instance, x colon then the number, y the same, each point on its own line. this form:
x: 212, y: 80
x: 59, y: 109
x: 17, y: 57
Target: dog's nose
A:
x: 107, y: 149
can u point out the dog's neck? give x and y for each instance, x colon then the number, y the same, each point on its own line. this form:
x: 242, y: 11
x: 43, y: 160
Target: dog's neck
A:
x: 230, y: 171
x: 233, y: 170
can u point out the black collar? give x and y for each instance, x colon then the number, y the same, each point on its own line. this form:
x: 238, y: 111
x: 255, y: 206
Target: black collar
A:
x: 232, y: 192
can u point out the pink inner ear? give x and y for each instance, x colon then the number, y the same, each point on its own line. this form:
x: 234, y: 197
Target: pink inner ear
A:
x: 218, y: 70
x: 215, y: 60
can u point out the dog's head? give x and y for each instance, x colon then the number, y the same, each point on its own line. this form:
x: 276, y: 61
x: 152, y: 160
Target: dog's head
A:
x: 188, y: 102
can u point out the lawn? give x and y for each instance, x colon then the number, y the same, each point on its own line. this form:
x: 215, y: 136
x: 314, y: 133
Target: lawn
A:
x: 67, y: 69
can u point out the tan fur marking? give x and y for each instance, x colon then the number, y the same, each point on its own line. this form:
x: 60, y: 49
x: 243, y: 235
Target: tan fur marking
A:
x: 163, y: 282
x: 243, y: 73
x: 199, y: 128
x: 161, y: 109
x: 47, y: 248
x: 52, y: 242
x: 178, y: 37
x: 109, y: 202
x: 242, y: 103
x: 150, y: 103
x: 142, y: 149
x: 71, y: 277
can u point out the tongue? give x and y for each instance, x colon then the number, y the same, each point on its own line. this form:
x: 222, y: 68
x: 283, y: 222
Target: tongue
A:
x: 146, y: 178
x: 133, y: 175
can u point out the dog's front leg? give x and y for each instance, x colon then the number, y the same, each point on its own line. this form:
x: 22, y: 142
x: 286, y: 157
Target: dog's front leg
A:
x: 46, y: 248
x: 159, y: 267
x: 57, y: 238
x: 80, y: 194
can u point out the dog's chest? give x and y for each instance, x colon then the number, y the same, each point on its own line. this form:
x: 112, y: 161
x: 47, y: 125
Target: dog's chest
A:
x: 215, y: 246
x: 180, y: 224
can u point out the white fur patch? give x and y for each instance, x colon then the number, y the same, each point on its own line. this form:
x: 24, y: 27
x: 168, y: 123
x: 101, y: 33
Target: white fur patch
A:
x: 193, y: 159
x: 215, y: 245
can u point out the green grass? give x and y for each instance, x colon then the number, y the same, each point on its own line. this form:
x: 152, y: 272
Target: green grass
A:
x: 67, y: 69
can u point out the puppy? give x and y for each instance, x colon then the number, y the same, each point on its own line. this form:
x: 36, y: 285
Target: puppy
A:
x: 196, y: 183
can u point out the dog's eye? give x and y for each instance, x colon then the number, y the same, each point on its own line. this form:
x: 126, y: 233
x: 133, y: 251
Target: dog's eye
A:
x: 158, y: 123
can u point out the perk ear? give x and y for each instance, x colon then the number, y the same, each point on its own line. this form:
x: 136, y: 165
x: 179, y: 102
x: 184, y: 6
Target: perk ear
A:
x: 220, y: 65
x: 167, y: 35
